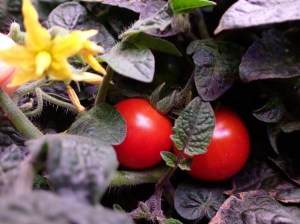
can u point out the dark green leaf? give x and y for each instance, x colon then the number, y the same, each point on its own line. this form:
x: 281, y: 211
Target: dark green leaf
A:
x: 290, y: 126
x: 103, y: 123
x: 185, y: 164
x: 273, y: 49
x: 77, y: 166
x: 131, y: 61
x: 245, y: 13
x: 186, y: 6
x: 216, y: 68
x: 193, y: 202
x: 171, y: 221
x: 169, y: 157
x: 271, y: 112
x: 154, y: 43
x: 48, y: 208
x: 193, y: 129
x: 73, y: 16
x: 160, y: 20
x: 273, y: 134
x: 254, y: 207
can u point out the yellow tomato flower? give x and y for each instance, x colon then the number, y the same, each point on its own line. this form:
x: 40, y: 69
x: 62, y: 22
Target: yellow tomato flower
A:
x: 44, y: 56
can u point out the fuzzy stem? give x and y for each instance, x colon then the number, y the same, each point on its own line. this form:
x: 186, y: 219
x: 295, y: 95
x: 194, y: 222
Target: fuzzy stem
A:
x: 104, y: 86
x: 18, y: 119
x: 128, y: 178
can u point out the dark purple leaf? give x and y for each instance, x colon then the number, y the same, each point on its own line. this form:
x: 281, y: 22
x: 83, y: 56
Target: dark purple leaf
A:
x: 274, y: 56
x: 216, y: 66
x: 289, y: 166
x: 247, y: 13
x: 194, y: 202
x: 134, y: 5
x: 255, y: 207
x: 271, y: 112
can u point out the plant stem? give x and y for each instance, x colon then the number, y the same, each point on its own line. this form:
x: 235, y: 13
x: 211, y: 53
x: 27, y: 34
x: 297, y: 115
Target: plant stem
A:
x: 16, y: 116
x: 128, y: 178
x: 104, y: 86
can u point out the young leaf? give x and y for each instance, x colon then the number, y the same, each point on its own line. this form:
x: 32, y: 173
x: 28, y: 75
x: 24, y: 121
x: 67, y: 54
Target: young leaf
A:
x: 245, y: 13
x: 193, y: 202
x: 273, y: 48
x: 154, y: 43
x: 186, y: 6
x: 170, y: 221
x: 217, y: 64
x: 131, y: 61
x: 47, y: 207
x: 185, y: 164
x: 193, y: 129
x: 103, y: 123
x: 169, y: 157
x: 255, y: 207
x: 78, y: 167
x: 160, y: 20
x: 271, y: 112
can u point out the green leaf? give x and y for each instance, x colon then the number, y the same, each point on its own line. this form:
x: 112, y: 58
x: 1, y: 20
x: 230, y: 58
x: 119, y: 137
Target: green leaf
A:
x: 171, y: 221
x: 159, y: 20
x: 194, y: 127
x: 103, y: 123
x: 170, y: 158
x: 185, y: 164
x: 154, y: 43
x: 186, y: 6
x: 131, y: 61
x: 78, y: 167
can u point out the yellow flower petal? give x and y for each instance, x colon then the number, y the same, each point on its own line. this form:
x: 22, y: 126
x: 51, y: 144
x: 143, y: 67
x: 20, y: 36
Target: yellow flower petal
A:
x: 68, y: 45
x: 20, y: 78
x: 74, y: 99
x: 94, y: 64
x: 17, y: 55
x: 42, y: 61
x: 60, y: 71
x: 91, y: 78
x: 37, y: 37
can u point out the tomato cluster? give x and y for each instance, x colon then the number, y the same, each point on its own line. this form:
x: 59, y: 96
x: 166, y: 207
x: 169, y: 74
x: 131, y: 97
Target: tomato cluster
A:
x: 148, y: 133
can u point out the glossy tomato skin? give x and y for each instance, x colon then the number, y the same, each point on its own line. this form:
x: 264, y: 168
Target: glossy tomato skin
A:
x: 148, y: 133
x: 228, y: 150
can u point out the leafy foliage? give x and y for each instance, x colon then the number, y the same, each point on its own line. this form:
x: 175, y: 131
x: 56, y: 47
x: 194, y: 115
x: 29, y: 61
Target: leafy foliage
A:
x: 193, y: 202
x: 78, y: 167
x: 40, y: 204
x: 216, y: 66
x: 255, y: 207
x: 194, y: 127
x: 245, y: 13
x: 276, y: 48
x: 103, y: 123
x: 131, y: 60
x: 185, y: 6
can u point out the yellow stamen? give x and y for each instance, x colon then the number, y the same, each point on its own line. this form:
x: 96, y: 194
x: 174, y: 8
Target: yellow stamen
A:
x: 74, y: 99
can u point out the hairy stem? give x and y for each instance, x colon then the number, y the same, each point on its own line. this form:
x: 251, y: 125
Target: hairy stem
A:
x: 17, y: 117
x: 104, y: 86
x: 128, y: 178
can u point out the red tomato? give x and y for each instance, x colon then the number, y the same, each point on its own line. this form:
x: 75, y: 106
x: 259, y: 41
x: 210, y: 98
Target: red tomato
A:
x: 6, y: 71
x: 148, y: 133
x: 228, y: 150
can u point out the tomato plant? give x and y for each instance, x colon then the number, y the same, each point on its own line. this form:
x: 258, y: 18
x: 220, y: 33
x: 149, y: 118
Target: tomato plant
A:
x: 228, y: 150
x: 148, y: 133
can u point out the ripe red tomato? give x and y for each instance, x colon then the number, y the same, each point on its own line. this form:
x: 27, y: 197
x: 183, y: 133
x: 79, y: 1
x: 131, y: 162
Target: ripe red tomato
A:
x: 228, y: 150
x: 6, y: 71
x: 148, y: 133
